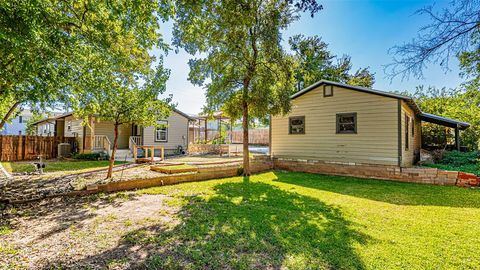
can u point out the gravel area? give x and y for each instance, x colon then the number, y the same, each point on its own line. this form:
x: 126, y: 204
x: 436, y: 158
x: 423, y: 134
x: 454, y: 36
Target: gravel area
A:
x: 81, y: 232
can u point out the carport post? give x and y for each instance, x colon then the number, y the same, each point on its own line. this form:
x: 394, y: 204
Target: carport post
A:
x: 457, y: 138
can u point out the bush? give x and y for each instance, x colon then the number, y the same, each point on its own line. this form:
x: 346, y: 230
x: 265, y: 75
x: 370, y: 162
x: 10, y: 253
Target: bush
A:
x: 457, y: 158
x: 91, y: 156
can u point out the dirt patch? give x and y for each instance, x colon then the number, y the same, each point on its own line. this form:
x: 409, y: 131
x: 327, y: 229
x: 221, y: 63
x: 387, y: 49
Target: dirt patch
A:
x: 82, y: 232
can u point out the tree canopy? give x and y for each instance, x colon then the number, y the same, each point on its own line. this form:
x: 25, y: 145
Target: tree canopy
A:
x: 461, y: 103
x: 315, y: 62
x: 46, y: 45
x: 240, y: 60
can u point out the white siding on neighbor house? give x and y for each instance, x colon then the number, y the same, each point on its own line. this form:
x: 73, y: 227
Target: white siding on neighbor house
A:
x: 376, y: 140
x: 46, y: 128
x: 177, y: 133
x: 76, y: 127
x: 17, y: 125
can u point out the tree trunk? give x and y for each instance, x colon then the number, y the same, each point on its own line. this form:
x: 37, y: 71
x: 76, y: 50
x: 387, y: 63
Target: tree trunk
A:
x: 246, y: 154
x: 114, y: 149
x: 9, y: 114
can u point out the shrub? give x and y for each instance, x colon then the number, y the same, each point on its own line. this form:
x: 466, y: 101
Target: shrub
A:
x: 90, y: 156
x: 457, y: 158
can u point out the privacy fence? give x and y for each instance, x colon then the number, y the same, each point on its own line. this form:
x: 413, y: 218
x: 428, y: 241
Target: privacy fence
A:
x: 255, y: 136
x: 17, y: 148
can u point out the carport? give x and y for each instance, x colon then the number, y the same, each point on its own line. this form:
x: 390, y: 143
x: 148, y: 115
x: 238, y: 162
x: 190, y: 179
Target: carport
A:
x: 446, y: 122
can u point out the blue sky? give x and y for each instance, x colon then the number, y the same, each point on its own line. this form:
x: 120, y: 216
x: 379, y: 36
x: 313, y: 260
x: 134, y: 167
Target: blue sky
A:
x: 365, y: 30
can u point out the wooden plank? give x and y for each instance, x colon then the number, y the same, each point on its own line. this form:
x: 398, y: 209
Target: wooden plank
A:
x: 22, y: 147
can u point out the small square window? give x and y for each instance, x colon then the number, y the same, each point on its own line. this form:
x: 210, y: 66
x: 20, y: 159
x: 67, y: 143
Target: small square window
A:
x: 346, y: 123
x: 328, y: 90
x: 296, y: 125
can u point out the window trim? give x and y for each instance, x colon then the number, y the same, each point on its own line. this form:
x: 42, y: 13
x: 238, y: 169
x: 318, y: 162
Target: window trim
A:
x: 166, y: 131
x: 407, y: 131
x: 325, y: 91
x: 413, y: 127
x: 290, y: 124
x: 337, y: 122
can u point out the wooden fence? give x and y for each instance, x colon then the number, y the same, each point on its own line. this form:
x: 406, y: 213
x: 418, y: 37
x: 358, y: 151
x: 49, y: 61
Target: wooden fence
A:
x: 17, y: 148
x: 255, y: 136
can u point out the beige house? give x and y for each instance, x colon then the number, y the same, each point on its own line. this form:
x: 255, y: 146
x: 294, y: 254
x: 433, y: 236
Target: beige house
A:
x: 98, y: 135
x: 345, y: 124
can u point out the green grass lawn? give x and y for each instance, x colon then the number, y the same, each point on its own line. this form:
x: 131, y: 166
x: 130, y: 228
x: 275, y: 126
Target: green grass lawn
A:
x: 57, y: 166
x: 304, y: 221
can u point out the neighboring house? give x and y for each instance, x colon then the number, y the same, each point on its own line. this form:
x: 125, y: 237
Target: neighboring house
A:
x: 345, y: 124
x: 98, y: 135
x: 17, y: 125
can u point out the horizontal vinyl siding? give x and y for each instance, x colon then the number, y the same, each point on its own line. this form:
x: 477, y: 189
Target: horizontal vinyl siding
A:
x: 376, y: 141
x: 177, y: 128
x: 107, y: 129
x: 408, y: 155
x: 76, y: 125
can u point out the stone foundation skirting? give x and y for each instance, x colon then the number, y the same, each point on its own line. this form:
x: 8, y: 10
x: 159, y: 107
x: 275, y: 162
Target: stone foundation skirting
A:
x: 414, y: 174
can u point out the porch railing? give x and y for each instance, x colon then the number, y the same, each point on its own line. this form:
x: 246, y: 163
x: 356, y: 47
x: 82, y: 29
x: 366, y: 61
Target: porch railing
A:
x: 134, y: 141
x: 101, y: 142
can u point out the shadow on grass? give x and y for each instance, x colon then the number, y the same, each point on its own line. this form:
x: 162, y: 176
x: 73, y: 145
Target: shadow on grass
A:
x: 386, y: 191
x: 62, y: 212
x: 244, y: 225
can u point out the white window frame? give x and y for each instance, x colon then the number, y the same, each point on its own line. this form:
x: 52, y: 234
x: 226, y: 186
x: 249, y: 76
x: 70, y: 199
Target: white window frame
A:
x: 160, y: 130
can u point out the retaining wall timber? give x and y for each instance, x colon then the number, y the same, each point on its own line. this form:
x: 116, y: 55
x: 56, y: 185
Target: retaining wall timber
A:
x: 257, y: 164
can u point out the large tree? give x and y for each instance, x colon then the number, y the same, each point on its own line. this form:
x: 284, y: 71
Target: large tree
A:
x: 452, y: 32
x: 240, y: 57
x: 315, y: 62
x: 461, y: 103
x: 45, y: 44
x: 123, y: 99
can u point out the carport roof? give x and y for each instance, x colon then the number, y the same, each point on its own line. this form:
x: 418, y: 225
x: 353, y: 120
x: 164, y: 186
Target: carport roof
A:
x: 432, y: 118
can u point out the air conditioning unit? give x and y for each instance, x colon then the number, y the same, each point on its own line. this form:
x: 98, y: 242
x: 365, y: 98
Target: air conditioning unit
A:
x: 64, y: 150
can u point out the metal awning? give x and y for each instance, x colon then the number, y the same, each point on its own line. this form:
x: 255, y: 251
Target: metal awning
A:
x: 432, y: 118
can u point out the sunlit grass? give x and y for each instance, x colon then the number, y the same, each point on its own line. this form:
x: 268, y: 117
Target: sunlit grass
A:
x: 307, y: 221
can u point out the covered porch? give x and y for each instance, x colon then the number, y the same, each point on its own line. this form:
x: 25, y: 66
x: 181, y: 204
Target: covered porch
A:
x: 456, y: 125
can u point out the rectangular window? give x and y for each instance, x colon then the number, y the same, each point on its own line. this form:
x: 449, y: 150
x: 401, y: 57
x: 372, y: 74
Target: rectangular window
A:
x: 69, y: 126
x: 20, y: 119
x: 296, y: 125
x: 161, y: 132
x: 407, y: 128
x: 413, y: 127
x: 347, y: 123
x: 328, y: 90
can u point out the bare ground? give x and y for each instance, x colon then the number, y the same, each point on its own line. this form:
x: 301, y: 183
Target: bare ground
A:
x: 82, y: 232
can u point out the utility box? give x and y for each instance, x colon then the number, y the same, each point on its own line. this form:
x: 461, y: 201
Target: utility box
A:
x: 64, y: 150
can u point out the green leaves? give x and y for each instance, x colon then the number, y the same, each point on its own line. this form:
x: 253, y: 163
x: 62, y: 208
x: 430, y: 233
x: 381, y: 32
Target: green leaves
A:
x: 50, y: 49
x: 461, y: 104
x: 315, y: 63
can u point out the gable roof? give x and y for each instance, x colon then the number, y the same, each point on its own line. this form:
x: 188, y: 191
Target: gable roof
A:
x: 184, y: 114
x: 71, y: 113
x: 409, y: 100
